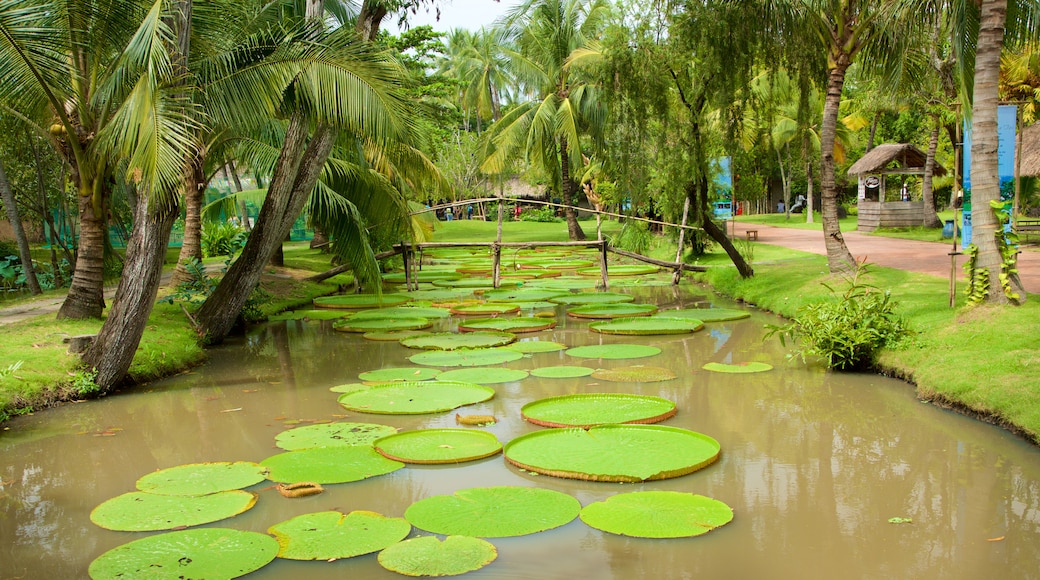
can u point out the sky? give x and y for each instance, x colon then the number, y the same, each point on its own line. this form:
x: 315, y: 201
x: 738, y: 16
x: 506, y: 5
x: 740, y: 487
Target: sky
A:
x: 471, y: 14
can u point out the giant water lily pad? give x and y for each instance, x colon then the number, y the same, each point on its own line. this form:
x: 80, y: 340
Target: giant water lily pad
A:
x: 350, y: 388
x: 493, y: 512
x: 211, y: 553
x: 593, y: 298
x: 145, y: 512
x: 399, y: 374
x: 634, y: 374
x: 555, y: 264
x: 202, y: 478
x: 535, y: 346
x: 483, y: 375
x: 439, y: 294
x: 514, y: 324
x: 562, y: 372
x: 430, y: 446
x: 381, y: 324
x: 613, y: 310
x: 621, y: 270
x: 459, y: 340
x: 521, y: 295
x: 627, y: 453
x: 563, y: 283
x: 477, y: 357
x: 394, y: 335
x: 331, y: 434
x: 746, y: 367
x: 647, y: 325
x: 706, y: 314
x: 429, y: 556
x: 357, y: 301
x: 402, y: 312
x: 332, y: 535
x: 589, y: 409
x: 421, y: 276
x: 310, y: 315
x: 613, y: 351
x: 657, y: 514
x: 485, y: 308
x: 415, y: 398
x: 328, y: 465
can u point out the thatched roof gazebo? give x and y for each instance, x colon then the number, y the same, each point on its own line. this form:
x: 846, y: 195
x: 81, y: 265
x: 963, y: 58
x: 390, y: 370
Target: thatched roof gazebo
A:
x: 872, y: 168
x: 1029, y: 164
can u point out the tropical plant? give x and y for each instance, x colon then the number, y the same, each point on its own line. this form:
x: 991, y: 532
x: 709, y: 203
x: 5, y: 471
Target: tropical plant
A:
x: 222, y: 239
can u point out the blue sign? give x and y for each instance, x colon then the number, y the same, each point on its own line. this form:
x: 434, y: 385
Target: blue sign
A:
x: 1007, y: 121
x: 723, y: 178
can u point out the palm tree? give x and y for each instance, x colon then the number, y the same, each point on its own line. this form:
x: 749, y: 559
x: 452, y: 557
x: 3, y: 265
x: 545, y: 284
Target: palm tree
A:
x: 479, y: 63
x: 550, y: 36
x: 7, y: 197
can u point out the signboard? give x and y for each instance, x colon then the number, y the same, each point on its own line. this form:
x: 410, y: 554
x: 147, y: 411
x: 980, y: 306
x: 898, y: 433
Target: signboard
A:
x: 1007, y: 121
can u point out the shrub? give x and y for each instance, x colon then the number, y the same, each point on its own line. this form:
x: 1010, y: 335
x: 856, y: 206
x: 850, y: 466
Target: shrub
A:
x: 222, y: 239
x: 634, y: 237
x: 543, y: 214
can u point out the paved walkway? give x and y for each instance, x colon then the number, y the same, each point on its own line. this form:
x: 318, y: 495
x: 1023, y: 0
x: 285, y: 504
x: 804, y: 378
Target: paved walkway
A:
x: 924, y: 257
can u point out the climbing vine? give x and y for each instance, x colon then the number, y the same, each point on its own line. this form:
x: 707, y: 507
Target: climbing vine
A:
x: 1007, y: 243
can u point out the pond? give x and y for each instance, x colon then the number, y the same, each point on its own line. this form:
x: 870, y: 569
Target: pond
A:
x: 813, y: 463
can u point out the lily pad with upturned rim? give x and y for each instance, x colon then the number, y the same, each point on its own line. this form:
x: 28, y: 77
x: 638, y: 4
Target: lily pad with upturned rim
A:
x: 745, y: 367
x: 647, y: 326
x: 613, y: 351
x: 590, y: 409
x: 521, y: 295
x: 394, y: 335
x: 138, y: 511
x: 583, y: 298
x: 429, y: 556
x: 327, y: 465
x: 515, y: 324
x: 415, y: 398
x: 477, y: 357
x: 430, y: 312
x: 613, y: 310
x: 483, y: 375
x: 485, y: 308
x: 309, y: 315
x: 621, y: 270
x: 563, y: 283
x: 535, y: 346
x: 333, y: 535
x: 392, y: 374
x: 634, y: 374
x: 459, y: 340
x: 657, y: 514
x: 381, y: 324
x: 439, y: 294
x: 421, y: 276
x: 706, y: 314
x: 562, y: 372
x: 332, y: 434
x: 433, y: 446
x: 358, y: 301
x: 202, y: 478
x: 216, y: 553
x: 350, y: 388
x: 493, y: 512
x: 619, y: 453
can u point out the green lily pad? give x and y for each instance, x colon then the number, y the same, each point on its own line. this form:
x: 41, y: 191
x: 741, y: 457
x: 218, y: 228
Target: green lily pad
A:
x: 562, y: 372
x: 214, y: 553
x: 593, y: 298
x: 394, y: 335
x: 399, y: 374
x: 613, y: 351
x: 415, y: 398
x: 621, y: 270
x: 589, y: 409
x: 429, y: 556
x: 493, y: 512
x: 350, y: 388
x: 439, y: 294
x: 459, y: 340
x: 745, y: 367
x: 634, y: 374
x: 514, y: 324
x: 430, y: 446
x: 476, y: 283
x: 614, y: 310
x: 563, y: 283
x: 539, y: 305
x: 309, y: 315
x: 647, y: 325
x: 421, y: 276
x: 381, y: 324
x: 707, y: 314
x: 332, y: 535
x: 402, y: 312
x: 331, y: 434
x: 483, y: 375
x: 202, y: 478
x: 138, y: 511
x: 357, y: 301
x: 325, y: 465
x: 477, y: 357
x: 657, y: 514
x: 535, y: 346
x: 628, y: 453
x: 521, y: 295
x: 555, y: 264
x: 485, y: 308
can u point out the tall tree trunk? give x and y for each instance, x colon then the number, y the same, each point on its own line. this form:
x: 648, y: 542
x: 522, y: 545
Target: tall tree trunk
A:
x: 873, y: 130
x: 931, y: 219
x: 785, y: 182
x: 574, y: 231
x: 807, y: 155
x: 191, y: 246
x: 231, y: 175
x: 19, y: 233
x: 839, y: 259
x: 697, y: 193
x: 86, y: 298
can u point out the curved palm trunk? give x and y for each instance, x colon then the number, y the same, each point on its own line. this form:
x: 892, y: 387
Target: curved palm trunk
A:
x: 696, y: 192
x: 19, y: 233
x: 574, y: 231
x: 86, y: 298
x: 191, y: 246
x: 931, y: 219
x: 839, y: 259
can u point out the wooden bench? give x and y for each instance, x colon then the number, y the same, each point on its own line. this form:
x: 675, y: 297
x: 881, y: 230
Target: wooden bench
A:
x: 751, y: 235
x: 1027, y: 227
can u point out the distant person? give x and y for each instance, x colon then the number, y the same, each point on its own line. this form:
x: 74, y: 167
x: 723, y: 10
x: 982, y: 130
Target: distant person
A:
x: 904, y: 194
x: 469, y: 211
x: 516, y: 212
x: 448, y: 214
x: 780, y: 206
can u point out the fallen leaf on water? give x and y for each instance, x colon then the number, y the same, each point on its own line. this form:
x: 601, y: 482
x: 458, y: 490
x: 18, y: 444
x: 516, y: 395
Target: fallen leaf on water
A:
x: 231, y: 410
x: 213, y: 398
x: 279, y: 418
x: 900, y: 520
x: 250, y: 390
x: 1000, y: 539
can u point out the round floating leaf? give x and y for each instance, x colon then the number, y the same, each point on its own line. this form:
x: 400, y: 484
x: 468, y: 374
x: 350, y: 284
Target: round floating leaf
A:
x: 399, y: 374
x: 613, y: 351
x: 429, y: 556
x: 310, y: 315
x: 415, y: 398
x: 555, y: 264
x: 349, y: 388
x: 328, y: 465
x: 331, y: 434
x: 485, y: 308
x: 590, y: 409
x: 354, y: 301
x: 333, y: 535
x: 535, y: 346
x: 707, y: 314
x: 421, y: 276
x: 439, y: 446
x: 459, y: 340
x: 621, y: 270
x: 613, y: 452
x: 202, y: 478
x: 634, y: 374
x: 562, y: 372
x: 593, y: 298
x: 439, y: 294
x: 483, y: 376
x: 402, y: 312
x: 745, y: 367
x: 657, y: 514
x: 493, y: 512
x: 381, y: 324
x: 614, y: 310
x: 647, y: 325
x: 476, y: 283
x: 563, y: 283
x: 214, y: 553
x: 394, y: 335
x: 478, y: 357
x: 145, y: 512
x: 516, y: 324
x: 521, y: 295
x: 537, y: 306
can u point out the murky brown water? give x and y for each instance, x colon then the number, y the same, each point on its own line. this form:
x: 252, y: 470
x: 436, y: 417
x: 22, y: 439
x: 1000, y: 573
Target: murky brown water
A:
x: 813, y: 464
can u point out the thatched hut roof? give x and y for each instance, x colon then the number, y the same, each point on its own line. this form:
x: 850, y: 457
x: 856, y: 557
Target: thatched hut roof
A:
x: 1030, y: 163
x: 518, y: 188
x: 905, y: 154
